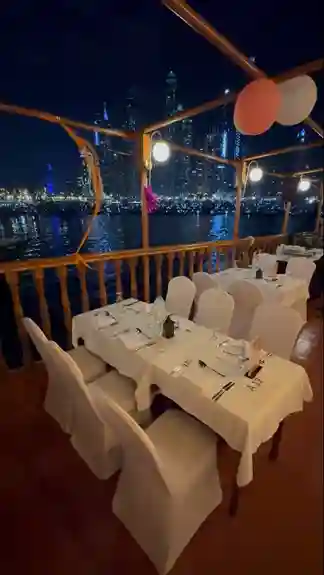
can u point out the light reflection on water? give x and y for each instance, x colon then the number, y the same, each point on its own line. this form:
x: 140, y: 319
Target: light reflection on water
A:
x: 57, y: 235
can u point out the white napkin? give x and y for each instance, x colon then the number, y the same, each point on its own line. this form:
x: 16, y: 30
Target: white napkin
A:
x: 134, y: 340
x: 253, y: 353
x: 102, y: 320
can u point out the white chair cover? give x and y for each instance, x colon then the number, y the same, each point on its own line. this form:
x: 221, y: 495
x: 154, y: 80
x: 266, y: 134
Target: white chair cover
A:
x: 93, y: 439
x: 180, y: 296
x: 278, y: 327
x: 37, y: 336
x: 215, y: 310
x: 169, y: 482
x: 203, y: 282
x: 91, y: 366
x: 247, y: 297
x: 301, y: 268
x: 267, y: 263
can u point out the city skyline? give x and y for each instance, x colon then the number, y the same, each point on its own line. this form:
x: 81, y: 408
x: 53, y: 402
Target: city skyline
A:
x: 70, y: 59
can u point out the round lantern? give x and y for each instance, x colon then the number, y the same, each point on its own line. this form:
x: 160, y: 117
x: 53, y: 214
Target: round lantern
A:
x: 298, y: 98
x: 257, y: 107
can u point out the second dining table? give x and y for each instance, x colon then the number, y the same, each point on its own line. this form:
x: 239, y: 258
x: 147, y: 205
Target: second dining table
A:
x: 200, y: 370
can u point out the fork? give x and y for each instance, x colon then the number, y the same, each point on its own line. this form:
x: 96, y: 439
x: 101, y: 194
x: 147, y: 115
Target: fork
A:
x: 203, y: 365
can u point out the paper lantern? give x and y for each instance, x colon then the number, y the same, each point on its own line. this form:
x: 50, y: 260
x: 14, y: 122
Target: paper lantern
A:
x: 298, y: 98
x: 257, y: 107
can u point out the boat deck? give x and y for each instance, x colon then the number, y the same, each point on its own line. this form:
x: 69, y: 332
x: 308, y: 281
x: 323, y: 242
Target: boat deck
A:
x: 56, y: 516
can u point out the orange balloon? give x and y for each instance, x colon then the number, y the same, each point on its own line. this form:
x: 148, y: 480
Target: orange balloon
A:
x: 257, y: 107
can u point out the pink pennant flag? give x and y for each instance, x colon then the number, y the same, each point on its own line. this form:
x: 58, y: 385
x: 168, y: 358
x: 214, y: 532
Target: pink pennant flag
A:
x: 151, y: 199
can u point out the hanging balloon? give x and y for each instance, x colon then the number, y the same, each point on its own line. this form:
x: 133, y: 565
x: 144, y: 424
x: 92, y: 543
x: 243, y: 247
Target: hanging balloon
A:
x: 298, y: 98
x: 257, y: 107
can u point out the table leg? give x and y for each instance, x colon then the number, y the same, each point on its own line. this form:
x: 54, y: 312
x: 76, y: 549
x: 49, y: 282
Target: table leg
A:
x: 274, y: 451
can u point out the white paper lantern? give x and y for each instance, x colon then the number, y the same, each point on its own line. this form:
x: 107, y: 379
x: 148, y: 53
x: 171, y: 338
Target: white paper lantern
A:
x: 298, y: 98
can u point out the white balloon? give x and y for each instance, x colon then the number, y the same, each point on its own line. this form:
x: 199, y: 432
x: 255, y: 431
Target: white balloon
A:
x: 298, y: 98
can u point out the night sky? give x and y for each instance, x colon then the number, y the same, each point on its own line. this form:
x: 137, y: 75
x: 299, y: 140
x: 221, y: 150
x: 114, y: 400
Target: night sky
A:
x: 67, y: 57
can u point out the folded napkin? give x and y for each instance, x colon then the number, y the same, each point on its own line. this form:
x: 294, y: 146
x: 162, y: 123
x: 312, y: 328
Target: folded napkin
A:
x: 134, y: 340
x: 102, y: 320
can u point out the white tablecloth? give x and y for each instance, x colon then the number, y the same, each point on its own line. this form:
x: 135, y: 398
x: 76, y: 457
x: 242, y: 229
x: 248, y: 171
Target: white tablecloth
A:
x: 287, y: 290
x: 244, y: 418
x: 316, y: 255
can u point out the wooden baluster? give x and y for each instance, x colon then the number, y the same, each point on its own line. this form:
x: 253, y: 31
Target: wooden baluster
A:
x: 201, y: 260
x: 13, y: 282
x: 82, y: 271
x: 119, y: 285
x: 133, y: 278
x: 39, y: 283
x: 191, y: 263
x: 228, y: 258
x: 102, y: 286
x: 182, y: 262
x: 65, y: 301
x: 210, y: 260
x: 146, y: 271
x: 158, y: 278
x: 170, y: 265
x: 217, y: 256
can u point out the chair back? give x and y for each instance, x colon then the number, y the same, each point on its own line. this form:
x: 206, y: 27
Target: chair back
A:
x: 247, y: 297
x: 37, y: 336
x: 278, y: 327
x: 180, y: 296
x: 301, y: 268
x: 139, y: 453
x: 87, y: 426
x: 203, y: 282
x: 215, y: 310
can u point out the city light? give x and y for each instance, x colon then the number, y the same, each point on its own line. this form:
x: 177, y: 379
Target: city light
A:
x: 161, y: 152
x: 227, y: 91
x: 304, y: 185
x: 255, y: 174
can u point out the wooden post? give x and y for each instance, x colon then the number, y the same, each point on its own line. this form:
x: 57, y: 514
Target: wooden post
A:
x: 240, y: 180
x: 144, y: 220
x: 319, y: 211
x: 286, y: 218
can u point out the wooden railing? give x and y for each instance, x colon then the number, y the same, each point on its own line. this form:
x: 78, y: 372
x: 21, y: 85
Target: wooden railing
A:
x: 138, y: 273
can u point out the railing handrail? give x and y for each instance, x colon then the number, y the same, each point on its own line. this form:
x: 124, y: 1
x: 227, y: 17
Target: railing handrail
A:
x: 74, y: 259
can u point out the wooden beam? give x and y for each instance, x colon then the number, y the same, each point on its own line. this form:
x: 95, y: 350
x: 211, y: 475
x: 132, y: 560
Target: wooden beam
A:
x: 181, y: 9
x: 314, y: 66
x: 288, y: 150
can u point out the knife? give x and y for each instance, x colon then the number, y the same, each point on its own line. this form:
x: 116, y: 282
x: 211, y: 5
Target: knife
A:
x: 221, y: 392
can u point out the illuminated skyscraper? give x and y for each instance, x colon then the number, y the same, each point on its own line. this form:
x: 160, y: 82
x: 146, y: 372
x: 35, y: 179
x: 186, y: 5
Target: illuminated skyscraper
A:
x: 104, y: 150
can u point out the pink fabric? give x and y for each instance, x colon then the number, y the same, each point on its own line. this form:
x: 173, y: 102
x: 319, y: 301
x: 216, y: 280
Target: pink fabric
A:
x: 151, y: 199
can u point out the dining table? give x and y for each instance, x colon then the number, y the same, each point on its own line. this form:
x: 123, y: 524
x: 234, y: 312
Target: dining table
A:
x: 206, y: 373
x: 284, y: 289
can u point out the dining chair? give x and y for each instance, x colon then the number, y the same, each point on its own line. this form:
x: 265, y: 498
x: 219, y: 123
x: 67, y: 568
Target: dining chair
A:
x: 180, y: 296
x: 267, y: 263
x: 215, y: 310
x: 301, y: 268
x: 91, y: 366
x: 247, y: 296
x: 92, y: 437
x: 203, y: 282
x: 278, y: 327
x: 169, y: 481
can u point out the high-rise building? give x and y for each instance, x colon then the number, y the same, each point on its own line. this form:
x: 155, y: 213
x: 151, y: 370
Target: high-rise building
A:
x: 108, y: 160
x: 127, y: 163
x: 84, y: 182
x: 167, y: 181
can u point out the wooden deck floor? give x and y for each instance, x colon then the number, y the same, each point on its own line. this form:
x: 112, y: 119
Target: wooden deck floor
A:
x: 56, y: 516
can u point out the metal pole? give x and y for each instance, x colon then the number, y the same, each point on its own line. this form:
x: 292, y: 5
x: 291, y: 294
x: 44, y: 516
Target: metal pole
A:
x: 319, y: 211
x: 240, y: 179
x: 286, y: 218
